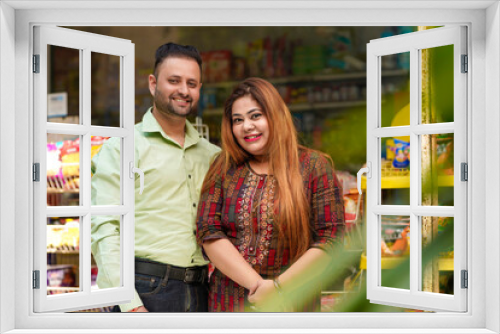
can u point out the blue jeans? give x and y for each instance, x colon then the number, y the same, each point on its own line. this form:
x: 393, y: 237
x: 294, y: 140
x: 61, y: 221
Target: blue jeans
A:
x: 164, y: 295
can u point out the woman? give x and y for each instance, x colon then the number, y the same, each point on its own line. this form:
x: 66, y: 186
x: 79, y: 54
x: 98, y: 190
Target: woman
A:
x: 269, y: 208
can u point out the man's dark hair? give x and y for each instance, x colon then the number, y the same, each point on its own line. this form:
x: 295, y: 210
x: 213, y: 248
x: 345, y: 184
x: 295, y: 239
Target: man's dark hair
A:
x: 175, y: 50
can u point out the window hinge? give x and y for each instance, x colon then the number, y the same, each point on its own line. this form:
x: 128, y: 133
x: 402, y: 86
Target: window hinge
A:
x: 464, y: 172
x: 465, y: 64
x: 465, y: 279
x: 36, y: 172
x: 36, y: 63
x: 36, y: 279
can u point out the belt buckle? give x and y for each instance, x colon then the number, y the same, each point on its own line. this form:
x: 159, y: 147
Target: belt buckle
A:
x: 189, y: 275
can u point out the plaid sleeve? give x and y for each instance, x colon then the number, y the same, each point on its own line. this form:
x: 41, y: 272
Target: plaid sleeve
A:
x: 327, y: 207
x: 208, y: 223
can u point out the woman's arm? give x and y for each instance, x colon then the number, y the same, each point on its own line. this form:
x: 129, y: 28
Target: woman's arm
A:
x: 228, y: 260
x: 307, y: 268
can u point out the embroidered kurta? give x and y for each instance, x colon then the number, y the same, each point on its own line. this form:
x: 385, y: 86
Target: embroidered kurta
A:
x: 239, y: 206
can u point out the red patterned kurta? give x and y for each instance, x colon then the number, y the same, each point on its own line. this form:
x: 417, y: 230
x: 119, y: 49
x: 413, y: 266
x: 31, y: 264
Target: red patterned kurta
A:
x: 240, y: 207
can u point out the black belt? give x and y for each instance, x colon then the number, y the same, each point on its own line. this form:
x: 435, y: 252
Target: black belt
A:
x: 187, y: 275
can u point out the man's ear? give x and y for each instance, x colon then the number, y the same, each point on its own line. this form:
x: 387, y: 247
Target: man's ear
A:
x: 152, y: 84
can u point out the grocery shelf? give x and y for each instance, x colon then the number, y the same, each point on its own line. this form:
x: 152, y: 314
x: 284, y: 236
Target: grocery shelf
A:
x: 311, y: 78
x: 57, y: 184
x: 299, y: 107
x: 325, y: 105
x: 65, y: 252
x: 398, y: 182
x: 444, y: 263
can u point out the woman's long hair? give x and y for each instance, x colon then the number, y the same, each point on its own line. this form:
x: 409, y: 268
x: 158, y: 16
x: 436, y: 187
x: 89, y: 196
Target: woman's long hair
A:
x: 283, y: 154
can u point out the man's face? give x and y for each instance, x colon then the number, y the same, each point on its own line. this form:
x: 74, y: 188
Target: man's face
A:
x: 176, y: 88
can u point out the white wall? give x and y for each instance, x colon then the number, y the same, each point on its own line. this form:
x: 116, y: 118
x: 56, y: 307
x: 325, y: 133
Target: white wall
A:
x: 485, y: 157
x: 7, y: 160
x: 492, y: 162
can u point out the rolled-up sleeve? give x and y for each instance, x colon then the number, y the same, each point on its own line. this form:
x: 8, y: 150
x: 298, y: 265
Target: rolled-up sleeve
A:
x: 327, y: 207
x: 208, y: 223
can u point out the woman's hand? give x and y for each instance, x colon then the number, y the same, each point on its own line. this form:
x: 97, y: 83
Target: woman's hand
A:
x: 263, y: 290
x: 255, y: 286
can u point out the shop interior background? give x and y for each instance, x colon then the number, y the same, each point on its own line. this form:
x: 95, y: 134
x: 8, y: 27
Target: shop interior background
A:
x: 320, y: 73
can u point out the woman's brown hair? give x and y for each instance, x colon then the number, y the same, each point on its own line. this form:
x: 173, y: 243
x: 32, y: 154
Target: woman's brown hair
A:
x: 283, y: 154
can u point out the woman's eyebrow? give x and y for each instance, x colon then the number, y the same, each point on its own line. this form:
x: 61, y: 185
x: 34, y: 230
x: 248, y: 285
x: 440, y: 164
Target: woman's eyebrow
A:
x: 248, y: 112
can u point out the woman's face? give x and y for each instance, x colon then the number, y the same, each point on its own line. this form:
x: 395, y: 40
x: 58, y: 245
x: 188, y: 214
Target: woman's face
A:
x: 250, y: 127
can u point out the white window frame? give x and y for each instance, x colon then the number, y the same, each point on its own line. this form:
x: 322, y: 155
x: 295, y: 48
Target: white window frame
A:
x: 413, y: 44
x: 85, y: 43
x: 483, y: 20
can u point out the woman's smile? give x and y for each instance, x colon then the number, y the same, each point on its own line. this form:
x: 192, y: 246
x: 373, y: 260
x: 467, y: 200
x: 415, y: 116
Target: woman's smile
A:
x: 253, y: 138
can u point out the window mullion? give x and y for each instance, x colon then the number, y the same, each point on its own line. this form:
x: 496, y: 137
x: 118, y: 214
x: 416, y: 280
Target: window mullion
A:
x: 128, y: 190
x: 373, y: 146
x: 397, y: 210
x: 432, y: 129
x: 85, y: 171
x: 415, y: 74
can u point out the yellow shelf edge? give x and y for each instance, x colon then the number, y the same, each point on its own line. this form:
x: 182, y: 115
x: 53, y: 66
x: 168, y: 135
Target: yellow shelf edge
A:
x: 399, y: 182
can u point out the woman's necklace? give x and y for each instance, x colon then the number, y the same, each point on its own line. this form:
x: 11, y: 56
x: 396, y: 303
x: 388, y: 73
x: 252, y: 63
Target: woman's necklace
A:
x: 260, y: 167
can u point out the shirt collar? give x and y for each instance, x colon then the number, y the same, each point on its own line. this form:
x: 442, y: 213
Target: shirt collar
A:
x: 150, y: 124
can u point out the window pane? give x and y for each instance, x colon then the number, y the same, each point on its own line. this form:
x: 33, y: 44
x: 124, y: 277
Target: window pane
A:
x: 437, y: 85
x: 106, y: 190
x: 106, y: 170
x: 395, y: 260
x: 437, y: 169
x: 395, y: 171
x: 106, y: 252
x: 105, y: 87
x: 63, y: 257
x: 395, y: 90
x: 437, y: 254
x: 63, y: 85
x: 63, y: 170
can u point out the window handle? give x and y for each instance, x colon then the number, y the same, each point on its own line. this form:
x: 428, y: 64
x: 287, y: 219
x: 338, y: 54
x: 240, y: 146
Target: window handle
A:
x: 365, y: 170
x: 139, y: 171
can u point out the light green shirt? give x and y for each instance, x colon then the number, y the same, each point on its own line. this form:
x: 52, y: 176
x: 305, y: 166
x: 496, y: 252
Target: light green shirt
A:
x: 165, y: 213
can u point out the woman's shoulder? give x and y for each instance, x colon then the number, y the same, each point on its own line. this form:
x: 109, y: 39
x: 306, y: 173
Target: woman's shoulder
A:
x: 313, y: 158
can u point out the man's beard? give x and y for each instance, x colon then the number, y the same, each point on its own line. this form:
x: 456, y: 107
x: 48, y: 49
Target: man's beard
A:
x: 165, y: 106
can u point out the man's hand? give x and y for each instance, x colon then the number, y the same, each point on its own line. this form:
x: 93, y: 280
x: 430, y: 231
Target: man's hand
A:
x: 139, y: 309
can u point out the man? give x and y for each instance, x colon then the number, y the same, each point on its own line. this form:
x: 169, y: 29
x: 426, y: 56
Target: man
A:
x: 170, y: 271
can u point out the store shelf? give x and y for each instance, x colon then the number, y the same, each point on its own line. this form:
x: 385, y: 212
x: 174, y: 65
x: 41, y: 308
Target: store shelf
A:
x: 63, y: 252
x: 58, y: 184
x: 444, y: 263
x: 300, y: 107
x: 398, y: 182
x: 311, y: 78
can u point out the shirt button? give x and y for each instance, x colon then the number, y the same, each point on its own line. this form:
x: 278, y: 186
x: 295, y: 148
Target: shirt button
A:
x: 189, y: 175
x: 194, y: 205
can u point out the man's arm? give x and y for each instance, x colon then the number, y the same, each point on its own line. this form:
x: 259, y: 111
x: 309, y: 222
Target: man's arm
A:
x: 105, y: 237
